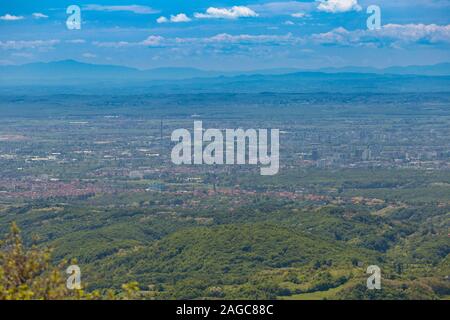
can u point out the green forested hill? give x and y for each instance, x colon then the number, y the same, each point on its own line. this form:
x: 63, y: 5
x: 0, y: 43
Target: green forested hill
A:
x: 265, y: 246
x: 226, y: 255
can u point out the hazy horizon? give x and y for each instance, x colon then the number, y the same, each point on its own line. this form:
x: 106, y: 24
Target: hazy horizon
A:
x: 227, y: 71
x: 244, y: 35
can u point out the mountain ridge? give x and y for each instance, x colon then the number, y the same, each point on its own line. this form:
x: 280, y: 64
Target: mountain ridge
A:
x: 72, y: 69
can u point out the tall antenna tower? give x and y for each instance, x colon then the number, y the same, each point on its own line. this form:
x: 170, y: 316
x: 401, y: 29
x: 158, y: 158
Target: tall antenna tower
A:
x: 161, y: 139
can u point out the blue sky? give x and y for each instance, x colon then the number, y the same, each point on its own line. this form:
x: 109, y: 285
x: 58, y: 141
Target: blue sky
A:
x: 227, y: 35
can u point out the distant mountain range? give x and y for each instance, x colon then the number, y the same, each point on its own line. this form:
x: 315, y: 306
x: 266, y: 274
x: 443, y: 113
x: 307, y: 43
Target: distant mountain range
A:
x: 71, y: 71
x: 74, y: 77
x: 442, y: 69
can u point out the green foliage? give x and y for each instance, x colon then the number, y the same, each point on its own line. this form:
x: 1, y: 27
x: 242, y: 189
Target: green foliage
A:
x: 27, y: 274
x: 266, y: 247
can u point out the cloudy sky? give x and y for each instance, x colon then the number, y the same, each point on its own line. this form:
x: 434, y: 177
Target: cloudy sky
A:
x: 227, y: 35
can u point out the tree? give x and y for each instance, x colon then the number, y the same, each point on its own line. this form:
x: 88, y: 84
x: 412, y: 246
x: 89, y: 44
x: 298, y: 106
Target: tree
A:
x: 28, y: 274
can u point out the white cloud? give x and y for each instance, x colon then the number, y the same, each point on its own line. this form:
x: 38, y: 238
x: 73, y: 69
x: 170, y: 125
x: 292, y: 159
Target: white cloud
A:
x: 336, y: 6
x: 89, y: 55
x: 76, y: 41
x: 162, y: 20
x: 116, y: 44
x: 283, y: 8
x: 181, y: 17
x: 38, y: 15
x: 289, y: 23
x: 219, y: 39
x: 26, y: 55
x: 130, y: 8
x: 27, y: 44
x: 151, y: 41
x: 422, y: 33
x: 299, y: 15
x: 390, y: 35
x: 223, y: 13
x: 398, y: 4
x: 9, y: 17
x: 247, y: 38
